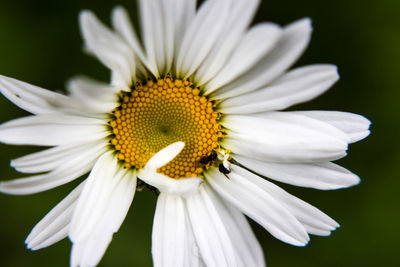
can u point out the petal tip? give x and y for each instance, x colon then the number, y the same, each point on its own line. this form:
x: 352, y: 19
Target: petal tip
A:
x: 85, y: 15
x: 304, y: 23
x: 301, y: 243
x: 118, y: 12
x: 356, y: 181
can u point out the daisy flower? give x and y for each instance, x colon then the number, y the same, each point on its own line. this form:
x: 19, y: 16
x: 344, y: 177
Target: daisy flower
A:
x: 193, y: 110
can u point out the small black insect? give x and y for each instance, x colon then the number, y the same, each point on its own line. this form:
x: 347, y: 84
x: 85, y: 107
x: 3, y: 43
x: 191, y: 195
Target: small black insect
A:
x: 210, y: 158
x: 224, y: 170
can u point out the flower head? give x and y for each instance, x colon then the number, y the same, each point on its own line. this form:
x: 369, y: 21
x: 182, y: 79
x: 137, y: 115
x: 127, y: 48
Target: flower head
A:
x: 192, y: 111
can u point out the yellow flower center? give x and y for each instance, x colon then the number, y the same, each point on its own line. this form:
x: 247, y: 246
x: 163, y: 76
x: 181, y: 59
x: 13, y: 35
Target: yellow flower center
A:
x: 160, y: 113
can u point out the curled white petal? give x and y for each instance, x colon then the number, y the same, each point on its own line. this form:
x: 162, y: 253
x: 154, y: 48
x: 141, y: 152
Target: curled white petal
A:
x: 164, y: 183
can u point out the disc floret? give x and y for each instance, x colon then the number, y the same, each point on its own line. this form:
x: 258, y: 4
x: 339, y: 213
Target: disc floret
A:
x: 157, y: 113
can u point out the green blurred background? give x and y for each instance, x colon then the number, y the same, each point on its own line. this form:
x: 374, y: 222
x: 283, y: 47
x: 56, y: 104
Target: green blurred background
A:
x: 40, y: 43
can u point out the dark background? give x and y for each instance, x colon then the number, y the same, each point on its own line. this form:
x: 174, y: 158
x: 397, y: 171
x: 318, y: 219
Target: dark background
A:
x: 40, y: 44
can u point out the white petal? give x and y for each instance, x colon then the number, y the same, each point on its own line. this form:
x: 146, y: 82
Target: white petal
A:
x: 52, y: 130
x: 37, y: 100
x: 255, y: 44
x: 297, y: 86
x: 239, y: 18
x: 170, y: 26
x: 109, y: 181
x: 122, y: 24
x: 98, y: 191
x: 316, y: 231
x: 354, y: 125
x: 100, y: 211
x: 212, y: 238
x: 243, y: 239
x: 70, y: 170
x: 183, y: 12
x: 54, y: 226
x: 282, y: 137
x: 259, y: 206
x: 169, y: 241
x: 98, y: 97
x: 165, y: 155
x: 295, y: 38
x: 181, y: 187
x: 304, y: 212
x: 201, y: 35
x: 89, y: 253
x: 164, y: 183
x: 193, y: 257
x: 53, y: 158
x: 318, y: 175
x: 152, y: 23
x: 111, y: 50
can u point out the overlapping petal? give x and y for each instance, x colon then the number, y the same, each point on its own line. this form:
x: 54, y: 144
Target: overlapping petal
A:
x: 201, y: 35
x: 169, y: 238
x: 55, y: 225
x: 100, y: 210
x: 281, y: 137
x: 255, y: 44
x: 52, y: 130
x: 296, y: 86
x: 98, y: 97
x: 259, y: 206
x: 53, y: 158
x: 123, y: 26
x: 318, y: 175
x: 109, y: 48
x: 242, y: 237
x: 37, y: 100
x: 294, y: 39
x: 213, y: 240
x: 76, y: 166
x: 354, y: 125
x: 240, y: 16
x: 309, y: 216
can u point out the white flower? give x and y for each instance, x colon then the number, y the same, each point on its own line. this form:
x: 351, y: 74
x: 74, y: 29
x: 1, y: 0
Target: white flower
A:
x: 193, y: 112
